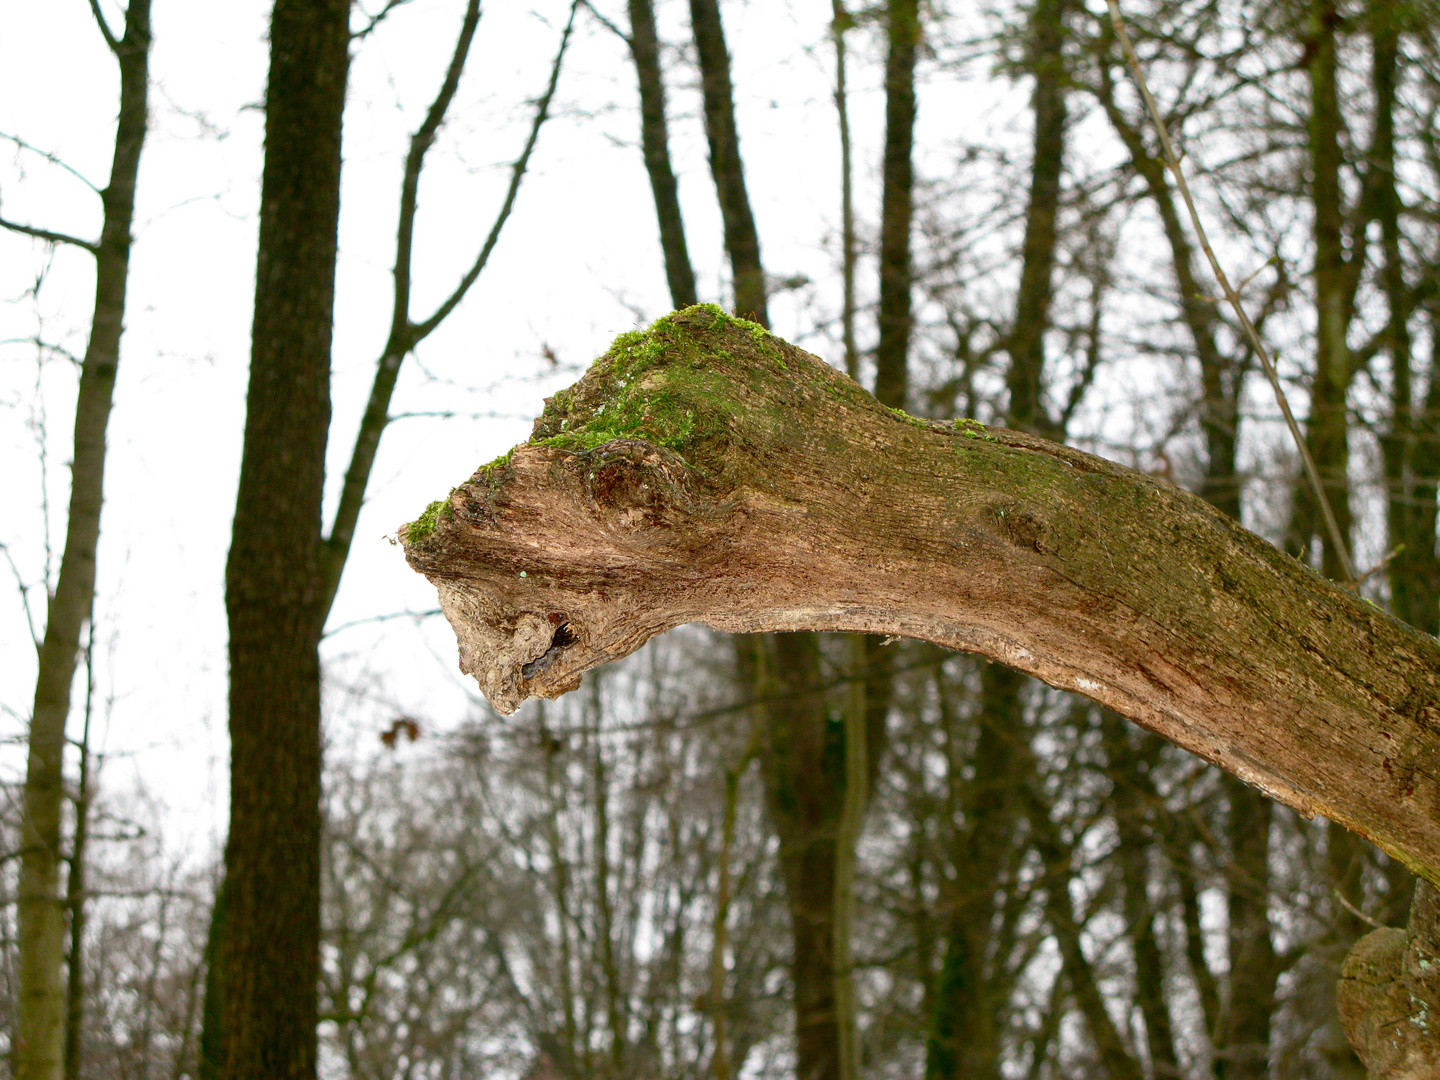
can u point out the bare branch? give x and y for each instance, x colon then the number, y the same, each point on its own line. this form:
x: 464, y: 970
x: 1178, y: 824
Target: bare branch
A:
x: 24, y: 591
x: 109, y: 35
x: 50, y: 157
x: 401, y: 341
x: 49, y: 236
x: 375, y: 20
x: 404, y: 334
x: 605, y: 22
x: 416, y: 615
x: 420, y: 144
x: 542, y: 112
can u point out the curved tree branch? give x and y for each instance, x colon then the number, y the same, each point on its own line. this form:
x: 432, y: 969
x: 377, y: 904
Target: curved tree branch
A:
x: 705, y: 471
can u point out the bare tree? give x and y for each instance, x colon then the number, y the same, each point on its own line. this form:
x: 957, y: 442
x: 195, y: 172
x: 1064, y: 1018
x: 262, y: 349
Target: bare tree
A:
x: 40, y: 1031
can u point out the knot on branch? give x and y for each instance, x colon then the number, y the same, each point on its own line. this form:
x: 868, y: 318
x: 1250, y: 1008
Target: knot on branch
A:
x: 1388, y: 996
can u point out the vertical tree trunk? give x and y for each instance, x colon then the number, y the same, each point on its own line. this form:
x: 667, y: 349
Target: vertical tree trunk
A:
x: 1242, y: 1043
x: 802, y: 756
x: 963, y: 1040
x: 720, y: 1067
x: 1242, y: 1034
x: 268, y: 935
x: 896, y: 202
x: 742, y: 242
x: 783, y: 671
x: 1026, y: 344
x: 1327, y: 432
x: 842, y: 21
x: 39, y: 1036
x: 655, y: 144
x: 1328, y: 429
x: 1412, y: 450
x: 871, y: 674
x: 75, y: 887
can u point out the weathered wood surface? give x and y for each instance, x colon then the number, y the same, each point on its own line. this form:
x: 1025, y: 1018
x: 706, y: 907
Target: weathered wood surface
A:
x: 706, y: 471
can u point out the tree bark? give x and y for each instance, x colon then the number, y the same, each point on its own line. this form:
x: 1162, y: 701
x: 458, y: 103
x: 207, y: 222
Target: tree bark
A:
x: 897, y: 202
x: 1327, y: 431
x: 706, y: 471
x: 267, y: 930
x: 644, y: 44
x: 40, y: 1030
x: 1389, y: 995
x: 1026, y: 345
x: 742, y: 242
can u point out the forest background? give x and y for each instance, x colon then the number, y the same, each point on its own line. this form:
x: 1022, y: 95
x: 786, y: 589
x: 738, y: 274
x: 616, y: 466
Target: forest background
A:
x: 652, y: 879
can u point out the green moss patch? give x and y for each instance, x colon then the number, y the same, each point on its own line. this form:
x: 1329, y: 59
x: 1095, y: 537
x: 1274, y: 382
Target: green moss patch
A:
x: 648, y: 385
x: 428, y: 521
x: 973, y: 429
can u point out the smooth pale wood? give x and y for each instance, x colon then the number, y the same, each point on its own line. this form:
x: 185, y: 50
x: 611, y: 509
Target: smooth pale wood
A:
x: 734, y: 480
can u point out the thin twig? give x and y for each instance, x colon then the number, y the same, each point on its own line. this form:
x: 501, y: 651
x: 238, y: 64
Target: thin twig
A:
x: 24, y: 590
x: 605, y: 22
x: 1348, y: 906
x: 416, y: 615
x: 1173, y: 163
x: 377, y: 19
x: 48, y: 156
x: 517, y: 173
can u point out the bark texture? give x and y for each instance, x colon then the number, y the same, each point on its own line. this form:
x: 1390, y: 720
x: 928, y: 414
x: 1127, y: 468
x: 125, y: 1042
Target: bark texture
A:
x: 261, y: 1008
x: 706, y: 471
x: 40, y: 1031
x: 1389, y: 995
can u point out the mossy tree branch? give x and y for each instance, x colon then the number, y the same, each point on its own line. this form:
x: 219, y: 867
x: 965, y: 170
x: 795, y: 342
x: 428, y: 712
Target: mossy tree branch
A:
x: 706, y: 471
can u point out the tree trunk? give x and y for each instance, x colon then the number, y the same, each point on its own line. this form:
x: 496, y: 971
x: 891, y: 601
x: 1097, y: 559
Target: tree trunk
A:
x: 655, y: 144
x: 742, y: 242
x: 40, y: 1031
x: 267, y: 948
x: 705, y: 471
x: 1327, y: 431
x: 842, y: 21
x: 964, y: 1031
x: 896, y: 202
x: 1026, y: 345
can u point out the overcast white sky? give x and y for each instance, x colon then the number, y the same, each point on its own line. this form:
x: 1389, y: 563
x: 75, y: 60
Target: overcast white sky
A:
x: 578, y: 260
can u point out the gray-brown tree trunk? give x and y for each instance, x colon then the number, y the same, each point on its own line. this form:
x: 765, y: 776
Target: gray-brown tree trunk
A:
x: 742, y: 241
x: 40, y: 1033
x: 262, y: 1008
x: 644, y: 44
